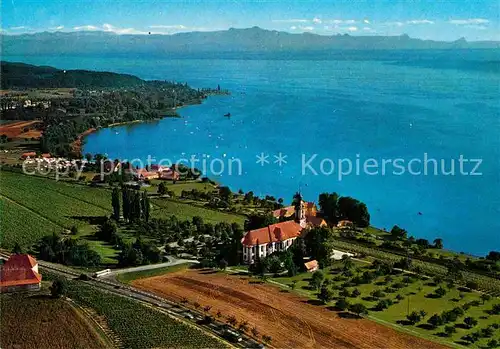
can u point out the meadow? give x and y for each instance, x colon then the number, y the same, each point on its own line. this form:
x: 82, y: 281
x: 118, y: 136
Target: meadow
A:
x: 407, y: 295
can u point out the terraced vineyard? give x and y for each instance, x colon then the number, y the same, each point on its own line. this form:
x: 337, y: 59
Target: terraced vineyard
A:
x: 137, y: 325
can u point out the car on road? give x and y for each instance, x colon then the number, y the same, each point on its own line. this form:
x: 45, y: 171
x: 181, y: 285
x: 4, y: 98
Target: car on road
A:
x: 189, y: 316
x: 232, y: 336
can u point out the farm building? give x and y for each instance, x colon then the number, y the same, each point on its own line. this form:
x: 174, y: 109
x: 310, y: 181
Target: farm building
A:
x: 20, y: 273
x: 312, y: 266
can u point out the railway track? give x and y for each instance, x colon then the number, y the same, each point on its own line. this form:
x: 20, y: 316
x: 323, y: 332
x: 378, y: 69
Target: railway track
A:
x: 175, y: 310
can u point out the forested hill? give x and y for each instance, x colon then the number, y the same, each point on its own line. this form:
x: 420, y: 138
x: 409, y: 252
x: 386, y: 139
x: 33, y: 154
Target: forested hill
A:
x: 20, y: 75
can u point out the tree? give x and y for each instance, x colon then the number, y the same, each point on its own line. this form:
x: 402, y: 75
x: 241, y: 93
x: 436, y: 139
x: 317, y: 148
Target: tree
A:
x: 449, y: 330
x: 115, y: 203
x: 59, y: 287
x: 162, y: 189
x: 354, y: 210
x: 414, y: 317
x: 355, y: 293
x: 145, y: 205
x: 293, y: 285
x: 319, y: 244
x: 440, y: 292
x: 470, y: 322
x: 74, y: 230
x: 328, y: 207
x: 347, y: 262
x: 485, y: 297
x: 358, y: 309
x: 256, y: 221
x: 266, y: 339
x: 493, y: 343
x: 223, y: 264
x: 325, y: 295
x: 88, y: 157
x: 17, y: 249
x: 342, y: 304
x: 399, y: 233
x: 435, y: 321
x: 255, y: 331
x: 317, y: 279
x: 438, y: 243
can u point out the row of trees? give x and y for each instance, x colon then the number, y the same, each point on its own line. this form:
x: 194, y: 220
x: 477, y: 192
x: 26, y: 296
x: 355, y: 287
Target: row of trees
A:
x: 57, y: 249
x: 135, y: 204
x: 335, y: 208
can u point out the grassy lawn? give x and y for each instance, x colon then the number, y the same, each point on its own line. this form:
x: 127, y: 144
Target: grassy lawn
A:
x: 179, y: 186
x: 185, y: 211
x: 129, y: 277
x: 415, y: 299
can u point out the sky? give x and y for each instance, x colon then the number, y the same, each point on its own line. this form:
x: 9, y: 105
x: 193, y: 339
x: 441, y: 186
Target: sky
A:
x: 426, y: 19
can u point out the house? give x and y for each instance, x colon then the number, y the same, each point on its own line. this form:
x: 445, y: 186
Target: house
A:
x: 28, y: 155
x: 143, y: 174
x: 312, y: 266
x: 168, y: 174
x: 20, y: 273
x: 345, y: 224
x: 259, y: 243
x: 46, y: 155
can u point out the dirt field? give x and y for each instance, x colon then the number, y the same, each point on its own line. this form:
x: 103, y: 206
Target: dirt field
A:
x: 287, y: 318
x: 40, y: 322
x: 17, y: 129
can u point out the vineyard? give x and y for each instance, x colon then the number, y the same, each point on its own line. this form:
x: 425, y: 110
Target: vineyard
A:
x: 485, y: 283
x: 21, y: 225
x: 187, y: 211
x: 43, y: 206
x: 139, y: 326
x: 42, y: 322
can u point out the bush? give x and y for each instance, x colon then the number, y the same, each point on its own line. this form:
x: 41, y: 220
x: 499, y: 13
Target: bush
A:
x: 342, y: 304
x: 59, y: 287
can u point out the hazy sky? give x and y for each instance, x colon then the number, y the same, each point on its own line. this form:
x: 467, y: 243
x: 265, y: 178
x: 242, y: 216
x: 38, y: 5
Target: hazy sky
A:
x: 427, y: 19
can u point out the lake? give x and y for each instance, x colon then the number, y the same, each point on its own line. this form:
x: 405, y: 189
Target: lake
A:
x: 369, y: 107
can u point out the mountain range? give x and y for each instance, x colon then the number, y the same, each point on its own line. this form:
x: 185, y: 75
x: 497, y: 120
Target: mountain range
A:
x: 249, y: 41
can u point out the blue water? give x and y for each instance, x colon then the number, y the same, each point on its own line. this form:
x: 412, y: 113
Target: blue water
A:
x: 377, y: 108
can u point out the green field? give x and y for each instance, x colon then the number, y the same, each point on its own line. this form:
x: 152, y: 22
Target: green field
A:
x: 19, y: 224
x: 414, y: 300
x: 179, y: 186
x: 184, y: 211
x: 137, y: 325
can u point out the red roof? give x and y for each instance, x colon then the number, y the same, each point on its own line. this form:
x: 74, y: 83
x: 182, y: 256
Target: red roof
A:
x: 18, y: 270
x: 284, y: 212
x: 311, y: 265
x: 272, y: 233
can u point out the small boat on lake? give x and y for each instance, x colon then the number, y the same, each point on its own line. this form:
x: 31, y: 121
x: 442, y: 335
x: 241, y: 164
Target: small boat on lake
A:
x: 227, y: 115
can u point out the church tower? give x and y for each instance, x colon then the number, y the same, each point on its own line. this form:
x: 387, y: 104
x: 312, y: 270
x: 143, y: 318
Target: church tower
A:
x: 300, y: 212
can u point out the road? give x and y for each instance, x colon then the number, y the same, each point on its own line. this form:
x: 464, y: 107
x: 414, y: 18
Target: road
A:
x: 172, y: 309
x: 172, y: 261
